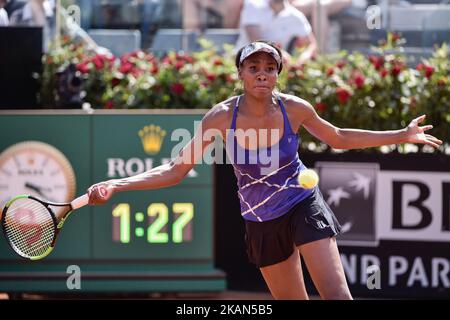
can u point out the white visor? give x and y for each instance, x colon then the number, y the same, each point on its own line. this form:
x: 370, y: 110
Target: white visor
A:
x: 255, y: 47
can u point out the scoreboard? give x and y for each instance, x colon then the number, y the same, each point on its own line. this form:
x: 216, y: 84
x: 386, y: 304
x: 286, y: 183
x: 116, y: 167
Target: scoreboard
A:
x: 150, y: 240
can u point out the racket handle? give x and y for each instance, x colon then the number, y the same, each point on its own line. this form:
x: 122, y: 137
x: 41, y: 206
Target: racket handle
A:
x: 80, y: 202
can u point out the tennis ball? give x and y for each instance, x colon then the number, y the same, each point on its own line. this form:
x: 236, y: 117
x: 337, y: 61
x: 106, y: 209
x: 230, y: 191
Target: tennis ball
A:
x: 308, y: 179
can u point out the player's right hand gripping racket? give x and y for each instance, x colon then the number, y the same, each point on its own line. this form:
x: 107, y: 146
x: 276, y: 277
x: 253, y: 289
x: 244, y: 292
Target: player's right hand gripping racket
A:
x: 31, y: 226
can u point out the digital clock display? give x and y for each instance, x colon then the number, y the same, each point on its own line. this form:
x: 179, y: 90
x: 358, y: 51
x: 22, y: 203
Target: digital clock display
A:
x: 154, y: 225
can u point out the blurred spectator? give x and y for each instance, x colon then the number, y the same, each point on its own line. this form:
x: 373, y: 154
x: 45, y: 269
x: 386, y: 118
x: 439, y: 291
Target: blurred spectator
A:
x: 13, y: 5
x: 204, y: 14
x: 4, y: 21
x: 279, y: 22
x: 150, y: 11
x: 319, y: 12
x: 37, y: 13
x: 171, y: 13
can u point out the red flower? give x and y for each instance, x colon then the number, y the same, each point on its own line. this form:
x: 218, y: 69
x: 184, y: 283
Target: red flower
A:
x: 396, y: 70
x: 330, y: 71
x: 83, y: 67
x: 115, y: 82
x: 359, y: 80
x: 383, y: 73
x: 126, y: 67
x: 211, y: 77
x: 230, y: 78
x: 341, y: 64
x: 189, y: 59
x: 177, y: 88
x: 180, y: 64
x: 342, y: 95
x: 184, y: 58
x: 321, y: 106
x: 218, y: 62
x: 154, y: 69
x: 109, y: 105
x: 429, y: 70
x: 376, y: 61
x: 98, y: 62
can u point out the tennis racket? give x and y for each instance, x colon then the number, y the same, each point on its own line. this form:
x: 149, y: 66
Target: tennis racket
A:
x: 31, y: 226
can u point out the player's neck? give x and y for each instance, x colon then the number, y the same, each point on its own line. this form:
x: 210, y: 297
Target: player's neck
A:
x: 258, y: 107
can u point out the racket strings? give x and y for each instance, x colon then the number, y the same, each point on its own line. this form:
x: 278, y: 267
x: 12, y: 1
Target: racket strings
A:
x: 34, y: 242
x: 29, y: 227
x: 31, y: 239
x: 34, y: 248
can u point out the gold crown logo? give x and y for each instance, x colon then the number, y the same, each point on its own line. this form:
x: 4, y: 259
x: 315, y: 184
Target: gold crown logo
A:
x: 152, y: 138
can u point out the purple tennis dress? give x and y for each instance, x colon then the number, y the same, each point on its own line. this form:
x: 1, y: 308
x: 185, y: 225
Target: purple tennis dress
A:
x: 267, y: 177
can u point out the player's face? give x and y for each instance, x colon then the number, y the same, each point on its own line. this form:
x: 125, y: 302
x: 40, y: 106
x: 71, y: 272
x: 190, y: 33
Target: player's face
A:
x: 259, y: 73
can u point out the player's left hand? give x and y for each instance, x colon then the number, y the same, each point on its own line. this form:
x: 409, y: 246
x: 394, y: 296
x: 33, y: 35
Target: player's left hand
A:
x: 416, y: 133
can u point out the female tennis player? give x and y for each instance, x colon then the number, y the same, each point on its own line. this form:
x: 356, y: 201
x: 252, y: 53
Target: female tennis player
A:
x: 282, y: 219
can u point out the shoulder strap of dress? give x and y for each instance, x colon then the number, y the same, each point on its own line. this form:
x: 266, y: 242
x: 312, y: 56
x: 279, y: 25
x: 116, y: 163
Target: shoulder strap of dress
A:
x: 287, y: 124
x: 235, y: 111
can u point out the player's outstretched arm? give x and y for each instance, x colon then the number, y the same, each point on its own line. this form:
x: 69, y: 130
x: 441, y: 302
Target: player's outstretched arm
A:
x: 340, y: 138
x: 165, y: 175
